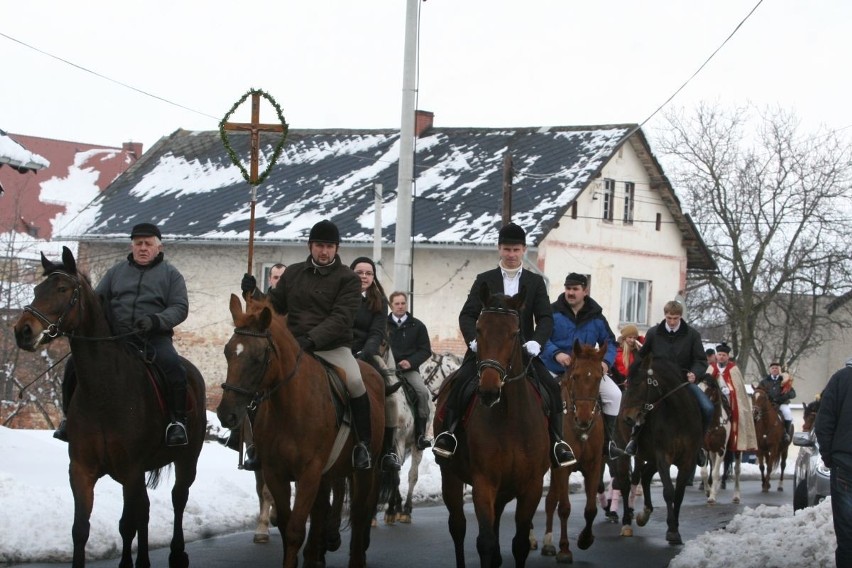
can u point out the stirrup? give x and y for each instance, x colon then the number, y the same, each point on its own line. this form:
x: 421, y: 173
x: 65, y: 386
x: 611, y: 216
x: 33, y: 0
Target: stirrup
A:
x: 363, y: 461
x: 423, y: 442
x: 176, y: 434
x: 391, y: 462
x: 630, y: 449
x: 440, y: 452
x: 566, y: 461
x: 614, y: 452
x: 252, y: 461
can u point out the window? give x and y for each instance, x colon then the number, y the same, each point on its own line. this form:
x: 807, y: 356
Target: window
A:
x: 634, y: 301
x: 629, y: 197
x: 609, y: 200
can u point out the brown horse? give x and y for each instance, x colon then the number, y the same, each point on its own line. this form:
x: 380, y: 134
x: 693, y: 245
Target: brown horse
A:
x: 810, y: 411
x: 657, y: 400
x: 115, y: 418
x: 584, y: 432
x: 503, y: 450
x: 297, y: 435
x: 771, y: 449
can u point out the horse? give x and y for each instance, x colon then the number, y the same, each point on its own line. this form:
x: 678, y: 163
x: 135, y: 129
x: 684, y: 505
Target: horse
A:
x: 809, y: 415
x: 503, y: 449
x: 658, y: 401
x: 716, y: 444
x: 116, y: 417
x: 771, y: 448
x: 297, y: 434
x: 584, y: 431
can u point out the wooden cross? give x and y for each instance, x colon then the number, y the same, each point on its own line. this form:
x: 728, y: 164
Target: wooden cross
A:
x: 255, y: 128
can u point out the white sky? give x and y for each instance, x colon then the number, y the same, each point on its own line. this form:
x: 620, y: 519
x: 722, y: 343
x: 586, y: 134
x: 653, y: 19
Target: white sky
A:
x: 482, y: 62
x: 34, y: 479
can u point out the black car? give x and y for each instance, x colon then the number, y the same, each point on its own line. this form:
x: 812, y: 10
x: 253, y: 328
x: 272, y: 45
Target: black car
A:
x: 811, y: 478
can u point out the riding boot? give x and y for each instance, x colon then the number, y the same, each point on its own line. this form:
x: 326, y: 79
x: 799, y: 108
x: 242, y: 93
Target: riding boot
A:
x: 176, y: 430
x: 788, y: 427
x: 445, y: 443
x: 632, y: 445
x: 563, y: 455
x: 252, y: 461
x: 390, y: 461
x: 363, y: 431
x: 420, y: 432
x: 611, y: 450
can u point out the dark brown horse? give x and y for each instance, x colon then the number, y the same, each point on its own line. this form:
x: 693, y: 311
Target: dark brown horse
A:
x: 658, y: 400
x: 771, y: 449
x: 809, y: 415
x: 503, y: 449
x: 295, y: 433
x: 584, y: 432
x: 115, y: 419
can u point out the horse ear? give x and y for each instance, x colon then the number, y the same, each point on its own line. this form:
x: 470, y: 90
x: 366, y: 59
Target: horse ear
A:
x: 236, y: 307
x: 265, y: 318
x: 577, y: 346
x: 68, y: 260
x: 48, y: 266
x: 484, y: 293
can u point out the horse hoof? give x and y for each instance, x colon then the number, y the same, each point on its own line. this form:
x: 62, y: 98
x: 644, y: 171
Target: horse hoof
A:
x: 642, y: 518
x: 374, y: 523
x: 548, y: 550
x: 711, y: 501
x: 584, y: 542
x: 390, y: 519
x: 674, y: 537
x: 261, y: 539
x: 736, y: 500
x: 780, y: 488
x: 626, y: 531
x: 565, y: 558
x: 404, y: 519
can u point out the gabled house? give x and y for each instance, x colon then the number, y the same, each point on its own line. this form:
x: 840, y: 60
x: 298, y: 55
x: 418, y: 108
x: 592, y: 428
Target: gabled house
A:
x: 593, y: 199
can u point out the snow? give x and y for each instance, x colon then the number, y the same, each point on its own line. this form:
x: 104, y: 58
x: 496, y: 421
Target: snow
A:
x: 37, y: 500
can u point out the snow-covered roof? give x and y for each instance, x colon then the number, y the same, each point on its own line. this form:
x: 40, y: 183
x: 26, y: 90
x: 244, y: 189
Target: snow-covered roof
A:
x: 18, y: 157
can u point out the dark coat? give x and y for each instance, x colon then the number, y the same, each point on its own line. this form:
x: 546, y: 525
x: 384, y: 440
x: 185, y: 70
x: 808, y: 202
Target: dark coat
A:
x: 319, y: 301
x: 536, y: 317
x: 773, y: 389
x: 370, y: 329
x: 409, y: 341
x: 589, y: 326
x: 683, y: 348
x: 833, y: 426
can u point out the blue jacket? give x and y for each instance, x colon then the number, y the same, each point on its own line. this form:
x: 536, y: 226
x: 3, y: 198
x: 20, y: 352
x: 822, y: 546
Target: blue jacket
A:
x: 589, y: 326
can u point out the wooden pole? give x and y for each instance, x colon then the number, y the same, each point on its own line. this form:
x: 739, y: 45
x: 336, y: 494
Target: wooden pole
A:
x: 255, y: 150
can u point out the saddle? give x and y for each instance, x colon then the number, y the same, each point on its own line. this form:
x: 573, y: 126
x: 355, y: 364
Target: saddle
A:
x: 157, y: 377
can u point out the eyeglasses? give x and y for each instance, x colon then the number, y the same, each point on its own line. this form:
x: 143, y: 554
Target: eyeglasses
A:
x: 363, y: 273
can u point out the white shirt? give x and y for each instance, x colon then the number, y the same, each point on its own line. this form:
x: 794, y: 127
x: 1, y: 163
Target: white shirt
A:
x: 511, y: 285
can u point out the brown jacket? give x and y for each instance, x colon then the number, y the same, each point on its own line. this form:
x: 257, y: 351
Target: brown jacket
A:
x: 319, y: 302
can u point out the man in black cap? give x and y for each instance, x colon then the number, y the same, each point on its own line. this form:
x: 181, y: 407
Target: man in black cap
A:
x: 779, y: 387
x: 536, y: 326
x: 320, y: 297
x: 147, y: 296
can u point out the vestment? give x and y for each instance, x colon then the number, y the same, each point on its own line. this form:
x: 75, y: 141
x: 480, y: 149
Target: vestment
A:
x: 743, y: 436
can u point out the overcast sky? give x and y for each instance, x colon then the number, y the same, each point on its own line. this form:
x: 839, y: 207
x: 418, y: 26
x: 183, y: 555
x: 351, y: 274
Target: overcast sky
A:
x: 481, y: 62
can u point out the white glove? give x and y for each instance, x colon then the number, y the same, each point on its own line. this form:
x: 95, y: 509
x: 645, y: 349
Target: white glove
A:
x: 533, y: 348
x: 472, y: 345
x: 726, y: 391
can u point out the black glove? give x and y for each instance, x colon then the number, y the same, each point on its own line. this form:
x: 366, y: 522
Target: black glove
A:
x: 305, y: 342
x: 248, y: 284
x: 366, y: 355
x: 147, y: 323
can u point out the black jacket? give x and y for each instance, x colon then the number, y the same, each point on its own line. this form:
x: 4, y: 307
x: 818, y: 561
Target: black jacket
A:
x: 370, y: 330
x: 833, y: 426
x: 409, y: 341
x: 683, y: 348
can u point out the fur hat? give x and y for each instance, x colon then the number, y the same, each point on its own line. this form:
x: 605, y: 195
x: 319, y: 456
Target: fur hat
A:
x: 365, y: 260
x: 324, y: 232
x: 628, y: 331
x: 512, y: 234
x: 574, y: 278
x: 723, y: 348
x: 145, y: 230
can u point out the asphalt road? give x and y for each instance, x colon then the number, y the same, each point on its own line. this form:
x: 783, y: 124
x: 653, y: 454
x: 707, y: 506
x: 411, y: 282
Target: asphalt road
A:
x: 426, y: 542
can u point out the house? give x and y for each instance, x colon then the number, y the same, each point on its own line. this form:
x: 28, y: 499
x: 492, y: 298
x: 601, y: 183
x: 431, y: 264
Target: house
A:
x: 593, y: 199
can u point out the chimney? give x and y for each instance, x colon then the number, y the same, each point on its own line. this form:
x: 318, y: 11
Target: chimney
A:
x: 422, y: 122
x: 133, y: 148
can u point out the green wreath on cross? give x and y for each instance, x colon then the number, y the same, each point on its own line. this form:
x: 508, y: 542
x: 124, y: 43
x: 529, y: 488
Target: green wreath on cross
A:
x: 223, y: 134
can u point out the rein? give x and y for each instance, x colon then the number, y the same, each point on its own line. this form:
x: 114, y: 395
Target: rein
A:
x: 652, y: 382
x: 259, y: 396
x: 496, y: 365
x: 596, y: 409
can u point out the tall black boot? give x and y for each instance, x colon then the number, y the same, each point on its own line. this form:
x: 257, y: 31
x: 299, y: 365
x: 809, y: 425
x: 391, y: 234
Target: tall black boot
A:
x: 611, y: 450
x: 390, y: 461
x: 788, y: 427
x: 363, y: 431
x: 562, y: 454
x: 176, y: 430
x: 420, y: 433
x: 632, y: 445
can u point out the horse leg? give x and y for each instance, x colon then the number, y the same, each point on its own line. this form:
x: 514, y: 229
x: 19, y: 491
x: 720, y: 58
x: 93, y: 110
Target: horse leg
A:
x: 716, y: 464
x: 362, y: 504
x: 527, y: 503
x: 294, y: 531
x: 314, y: 550
x: 134, y: 522
x: 484, y: 503
x: 673, y: 495
x: 264, y: 498
x: 452, y: 490
x: 413, y: 475
x: 764, y: 478
x: 783, y: 465
x: 587, y: 537
x: 185, y: 471
x: 83, y: 489
x: 550, y: 502
x: 648, y: 471
x: 737, y: 462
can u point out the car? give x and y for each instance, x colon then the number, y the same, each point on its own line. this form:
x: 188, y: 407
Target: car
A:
x: 811, y: 477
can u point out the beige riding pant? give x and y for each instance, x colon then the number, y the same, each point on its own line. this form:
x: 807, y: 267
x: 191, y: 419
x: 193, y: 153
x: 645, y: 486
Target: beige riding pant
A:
x: 342, y: 357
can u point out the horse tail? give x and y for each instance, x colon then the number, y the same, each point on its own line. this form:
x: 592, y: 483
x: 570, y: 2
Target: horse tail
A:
x: 388, y: 484
x: 154, y: 477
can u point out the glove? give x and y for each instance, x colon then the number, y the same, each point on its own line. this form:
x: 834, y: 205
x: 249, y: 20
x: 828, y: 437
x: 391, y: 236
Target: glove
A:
x: 473, y: 346
x: 306, y: 343
x: 147, y: 323
x: 726, y: 391
x: 248, y: 284
x: 533, y: 348
x: 366, y: 355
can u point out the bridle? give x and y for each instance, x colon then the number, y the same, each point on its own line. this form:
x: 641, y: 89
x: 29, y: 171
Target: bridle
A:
x: 596, y: 408
x: 258, y: 396
x: 503, y: 373
x: 651, y: 381
x: 54, y: 329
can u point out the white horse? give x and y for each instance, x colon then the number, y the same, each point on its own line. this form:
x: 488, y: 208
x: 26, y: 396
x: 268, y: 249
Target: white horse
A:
x: 716, y: 442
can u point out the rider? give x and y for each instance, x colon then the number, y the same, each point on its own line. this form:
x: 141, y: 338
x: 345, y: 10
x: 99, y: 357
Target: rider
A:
x: 743, y: 437
x: 576, y: 316
x: 410, y: 345
x: 147, y: 296
x: 536, y: 326
x: 674, y: 340
x: 369, y: 334
x: 320, y: 297
x: 780, y: 389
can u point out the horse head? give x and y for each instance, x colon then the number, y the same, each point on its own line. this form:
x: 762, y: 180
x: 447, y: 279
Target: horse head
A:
x: 498, y: 341
x: 582, y: 381
x: 810, y: 411
x: 56, y: 306
x: 249, y: 353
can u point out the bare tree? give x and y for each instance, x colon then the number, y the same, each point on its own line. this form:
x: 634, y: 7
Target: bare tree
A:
x: 772, y: 207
